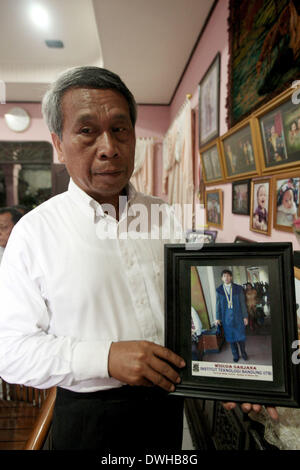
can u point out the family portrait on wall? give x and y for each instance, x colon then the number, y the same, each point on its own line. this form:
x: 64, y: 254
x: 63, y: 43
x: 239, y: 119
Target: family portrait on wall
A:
x: 280, y: 130
x: 211, y: 164
x: 238, y: 151
x: 236, y: 300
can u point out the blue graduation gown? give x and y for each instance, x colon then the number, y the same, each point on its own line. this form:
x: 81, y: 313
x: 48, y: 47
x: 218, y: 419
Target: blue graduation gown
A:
x: 232, y: 319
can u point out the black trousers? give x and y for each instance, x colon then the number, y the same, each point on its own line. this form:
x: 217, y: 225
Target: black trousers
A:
x: 128, y: 418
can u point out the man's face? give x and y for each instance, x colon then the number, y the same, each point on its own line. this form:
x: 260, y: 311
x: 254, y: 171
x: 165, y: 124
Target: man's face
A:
x: 6, y: 226
x: 226, y: 278
x: 98, y: 141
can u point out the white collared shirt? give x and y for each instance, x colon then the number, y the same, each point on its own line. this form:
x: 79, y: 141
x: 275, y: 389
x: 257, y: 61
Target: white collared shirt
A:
x: 67, y: 292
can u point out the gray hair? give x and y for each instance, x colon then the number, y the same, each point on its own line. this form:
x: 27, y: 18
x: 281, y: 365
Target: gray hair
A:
x: 82, y: 77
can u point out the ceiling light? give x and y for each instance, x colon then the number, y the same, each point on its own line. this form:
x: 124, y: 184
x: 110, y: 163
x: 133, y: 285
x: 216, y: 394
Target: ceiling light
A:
x: 39, y: 16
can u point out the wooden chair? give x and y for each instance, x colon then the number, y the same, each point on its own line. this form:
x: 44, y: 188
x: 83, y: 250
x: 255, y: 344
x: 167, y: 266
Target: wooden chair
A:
x: 25, y: 416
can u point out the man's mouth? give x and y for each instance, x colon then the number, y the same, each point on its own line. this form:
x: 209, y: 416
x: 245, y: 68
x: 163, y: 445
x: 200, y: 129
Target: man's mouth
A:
x: 108, y: 173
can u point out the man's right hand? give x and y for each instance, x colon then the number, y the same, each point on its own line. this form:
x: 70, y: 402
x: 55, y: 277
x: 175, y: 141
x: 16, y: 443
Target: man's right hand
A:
x: 144, y: 363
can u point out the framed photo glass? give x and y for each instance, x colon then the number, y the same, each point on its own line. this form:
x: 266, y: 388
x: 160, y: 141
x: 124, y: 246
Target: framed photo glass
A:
x: 230, y: 312
x: 209, y: 91
x: 261, y: 206
x: 241, y: 197
x: 211, y: 163
x: 286, y: 200
x: 239, y: 152
x: 279, y: 125
x: 214, y: 207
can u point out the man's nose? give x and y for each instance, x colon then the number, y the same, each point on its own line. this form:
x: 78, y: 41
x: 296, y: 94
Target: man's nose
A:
x: 107, y: 147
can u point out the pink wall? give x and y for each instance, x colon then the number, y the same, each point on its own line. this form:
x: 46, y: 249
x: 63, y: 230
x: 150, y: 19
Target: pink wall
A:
x: 215, y: 39
x: 37, y: 129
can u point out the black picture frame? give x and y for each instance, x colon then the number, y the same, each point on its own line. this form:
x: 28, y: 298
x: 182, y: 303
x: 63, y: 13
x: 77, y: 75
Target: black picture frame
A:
x: 209, y: 103
x: 242, y: 208
x: 276, y: 384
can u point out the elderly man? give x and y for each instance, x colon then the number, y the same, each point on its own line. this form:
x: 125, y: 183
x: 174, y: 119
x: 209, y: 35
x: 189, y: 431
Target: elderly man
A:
x: 8, y: 218
x: 85, y: 300
x: 83, y: 292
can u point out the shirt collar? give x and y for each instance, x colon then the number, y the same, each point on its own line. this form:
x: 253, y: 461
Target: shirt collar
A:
x: 227, y: 286
x: 90, y: 206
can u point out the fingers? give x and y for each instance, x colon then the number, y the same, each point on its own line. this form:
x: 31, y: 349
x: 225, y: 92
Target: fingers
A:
x: 272, y: 413
x: 144, y: 363
x: 229, y: 405
x: 163, y: 375
x: 247, y: 407
x: 168, y: 355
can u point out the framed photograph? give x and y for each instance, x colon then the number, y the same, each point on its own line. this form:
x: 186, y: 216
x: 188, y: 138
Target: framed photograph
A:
x: 241, y: 197
x: 211, y: 162
x: 263, y: 53
x: 239, y: 153
x: 230, y: 312
x: 209, y: 97
x: 214, y: 207
x: 201, y: 236
x: 278, y: 125
x: 239, y: 239
x: 261, y: 205
x: 286, y: 200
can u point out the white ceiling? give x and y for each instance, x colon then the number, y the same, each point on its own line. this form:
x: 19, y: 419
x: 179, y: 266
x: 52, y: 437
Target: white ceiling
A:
x: 147, y: 42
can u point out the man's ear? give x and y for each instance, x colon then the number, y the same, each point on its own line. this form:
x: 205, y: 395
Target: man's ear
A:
x: 58, y: 147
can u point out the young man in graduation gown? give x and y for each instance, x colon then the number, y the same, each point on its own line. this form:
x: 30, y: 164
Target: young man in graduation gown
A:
x: 231, y: 312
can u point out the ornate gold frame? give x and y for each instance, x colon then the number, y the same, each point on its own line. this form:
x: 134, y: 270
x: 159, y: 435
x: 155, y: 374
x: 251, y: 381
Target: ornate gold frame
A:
x: 272, y: 105
x: 254, y: 181
x: 204, y: 149
x: 231, y: 132
x: 279, y: 176
x: 220, y: 193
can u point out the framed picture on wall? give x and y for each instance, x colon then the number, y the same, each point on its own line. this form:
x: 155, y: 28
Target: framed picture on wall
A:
x: 261, y: 205
x: 241, y: 197
x: 250, y: 358
x: 209, y: 97
x: 239, y: 151
x: 214, y: 207
x: 264, y: 54
x: 211, y: 163
x: 286, y: 200
x: 278, y: 125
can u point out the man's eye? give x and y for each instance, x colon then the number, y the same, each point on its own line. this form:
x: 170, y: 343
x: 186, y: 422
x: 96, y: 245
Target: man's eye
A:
x: 86, y: 130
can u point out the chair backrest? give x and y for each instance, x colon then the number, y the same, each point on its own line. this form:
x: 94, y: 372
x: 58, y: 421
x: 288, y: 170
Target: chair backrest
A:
x: 16, y: 392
